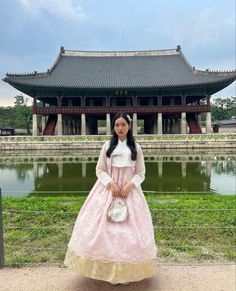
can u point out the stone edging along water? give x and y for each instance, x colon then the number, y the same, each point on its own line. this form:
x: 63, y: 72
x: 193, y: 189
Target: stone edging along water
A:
x: 172, y: 141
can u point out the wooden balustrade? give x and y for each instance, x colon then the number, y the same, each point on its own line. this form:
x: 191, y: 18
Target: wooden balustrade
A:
x: 137, y: 109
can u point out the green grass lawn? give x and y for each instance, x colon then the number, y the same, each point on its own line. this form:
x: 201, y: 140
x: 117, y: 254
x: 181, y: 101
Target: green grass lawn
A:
x: 187, y: 227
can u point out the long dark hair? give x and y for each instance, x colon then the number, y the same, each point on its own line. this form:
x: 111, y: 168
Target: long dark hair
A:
x: 130, y: 137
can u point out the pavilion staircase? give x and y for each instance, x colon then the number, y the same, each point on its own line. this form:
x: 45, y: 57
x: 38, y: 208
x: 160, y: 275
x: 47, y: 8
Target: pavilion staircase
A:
x: 50, y: 126
x: 194, y: 127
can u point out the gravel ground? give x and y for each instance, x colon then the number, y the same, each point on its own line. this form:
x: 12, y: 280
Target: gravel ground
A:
x: 176, y: 278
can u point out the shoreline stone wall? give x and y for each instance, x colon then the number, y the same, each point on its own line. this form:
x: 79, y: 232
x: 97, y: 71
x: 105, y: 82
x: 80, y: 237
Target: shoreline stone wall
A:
x: 96, y: 142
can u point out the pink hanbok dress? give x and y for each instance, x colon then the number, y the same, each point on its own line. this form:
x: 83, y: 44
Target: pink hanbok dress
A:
x: 116, y: 252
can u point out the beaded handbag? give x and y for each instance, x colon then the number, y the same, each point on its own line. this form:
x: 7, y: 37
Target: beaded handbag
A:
x: 117, y: 211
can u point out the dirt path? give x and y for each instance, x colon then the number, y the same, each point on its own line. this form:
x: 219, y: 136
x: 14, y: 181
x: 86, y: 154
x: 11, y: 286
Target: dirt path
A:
x: 169, y: 278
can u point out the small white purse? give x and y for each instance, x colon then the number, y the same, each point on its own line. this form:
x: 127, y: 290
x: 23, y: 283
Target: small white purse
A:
x: 117, y: 211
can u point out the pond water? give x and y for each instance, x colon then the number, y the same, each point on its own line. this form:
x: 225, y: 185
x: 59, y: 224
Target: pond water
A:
x: 189, y: 171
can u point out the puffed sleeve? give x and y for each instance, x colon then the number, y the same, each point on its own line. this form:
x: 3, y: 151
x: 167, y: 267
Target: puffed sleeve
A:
x: 101, y: 169
x: 139, y: 174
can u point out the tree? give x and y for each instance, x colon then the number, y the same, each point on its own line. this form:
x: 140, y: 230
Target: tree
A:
x: 223, y: 108
x: 23, y: 113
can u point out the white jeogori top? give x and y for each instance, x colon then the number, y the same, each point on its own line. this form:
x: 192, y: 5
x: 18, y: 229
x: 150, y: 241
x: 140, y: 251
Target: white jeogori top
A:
x: 120, y: 157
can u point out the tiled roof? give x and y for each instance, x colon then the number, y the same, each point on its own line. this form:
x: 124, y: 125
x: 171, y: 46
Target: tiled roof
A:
x: 104, y: 70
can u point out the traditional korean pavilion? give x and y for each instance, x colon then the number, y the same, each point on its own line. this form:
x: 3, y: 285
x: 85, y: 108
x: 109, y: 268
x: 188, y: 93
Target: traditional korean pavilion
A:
x: 159, y: 87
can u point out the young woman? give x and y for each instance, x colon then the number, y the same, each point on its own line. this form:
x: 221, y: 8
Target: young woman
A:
x: 116, y: 252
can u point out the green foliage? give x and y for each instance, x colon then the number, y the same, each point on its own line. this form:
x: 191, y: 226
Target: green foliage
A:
x: 186, y: 227
x: 19, y: 116
x: 223, y: 108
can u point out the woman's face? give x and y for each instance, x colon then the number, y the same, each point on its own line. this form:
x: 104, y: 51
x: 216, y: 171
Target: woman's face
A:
x: 121, y: 128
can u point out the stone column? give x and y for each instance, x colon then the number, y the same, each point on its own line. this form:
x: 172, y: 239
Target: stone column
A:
x: 60, y: 169
x: 208, y: 122
x: 59, y: 122
x: 208, y: 168
x: 43, y: 123
x: 35, y: 124
x: 44, y: 169
x: 83, y: 124
x: 183, y: 123
x: 159, y: 123
x: 160, y: 168
x: 134, y: 123
x: 108, y: 130
x: 183, y: 168
x: 35, y: 170
x: 84, y: 169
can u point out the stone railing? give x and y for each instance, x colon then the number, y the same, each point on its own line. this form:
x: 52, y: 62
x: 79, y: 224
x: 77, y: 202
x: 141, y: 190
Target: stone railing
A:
x: 96, y: 141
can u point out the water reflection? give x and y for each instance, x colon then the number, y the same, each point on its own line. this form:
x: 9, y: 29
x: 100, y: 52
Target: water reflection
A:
x: 173, y: 171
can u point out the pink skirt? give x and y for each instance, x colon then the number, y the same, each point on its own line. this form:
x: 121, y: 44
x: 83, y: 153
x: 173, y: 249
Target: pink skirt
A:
x: 112, y: 251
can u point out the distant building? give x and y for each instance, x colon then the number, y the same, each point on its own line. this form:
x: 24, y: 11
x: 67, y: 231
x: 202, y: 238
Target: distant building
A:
x: 225, y: 126
x: 159, y: 87
x: 7, y: 131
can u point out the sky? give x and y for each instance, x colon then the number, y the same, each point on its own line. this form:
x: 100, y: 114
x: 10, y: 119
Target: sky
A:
x: 32, y: 32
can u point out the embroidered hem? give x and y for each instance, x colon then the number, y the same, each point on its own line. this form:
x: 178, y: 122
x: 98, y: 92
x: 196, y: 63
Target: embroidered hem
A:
x: 113, y: 272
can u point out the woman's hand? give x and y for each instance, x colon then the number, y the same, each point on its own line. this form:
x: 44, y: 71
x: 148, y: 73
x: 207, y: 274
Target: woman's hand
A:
x: 124, y: 192
x: 114, y: 189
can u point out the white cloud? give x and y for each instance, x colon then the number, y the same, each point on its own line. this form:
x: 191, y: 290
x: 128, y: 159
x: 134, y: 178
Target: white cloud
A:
x: 60, y: 8
x: 201, y: 30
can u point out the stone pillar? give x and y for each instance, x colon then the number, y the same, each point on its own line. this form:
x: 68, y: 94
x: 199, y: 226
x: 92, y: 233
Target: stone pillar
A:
x: 208, y: 168
x: 35, y: 124
x: 60, y: 170
x: 43, y: 123
x: 35, y: 170
x: 108, y: 130
x: 183, y: 168
x: 160, y: 168
x: 44, y: 169
x: 208, y: 122
x: 183, y: 123
x: 134, y: 123
x: 83, y: 124
x: 59, y: 122
x: 159, y: 123
x: 84, y: 169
